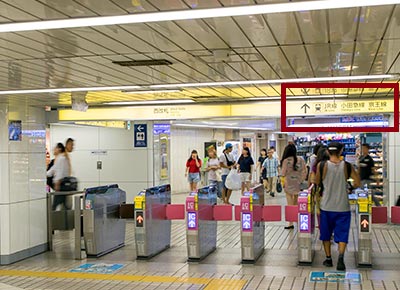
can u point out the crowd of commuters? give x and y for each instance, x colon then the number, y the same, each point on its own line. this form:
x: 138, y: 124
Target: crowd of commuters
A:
x: 326, y: 169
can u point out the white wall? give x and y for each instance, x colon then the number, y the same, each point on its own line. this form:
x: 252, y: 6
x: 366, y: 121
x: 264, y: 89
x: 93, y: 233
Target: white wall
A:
x: 131, y: 168
x: 183, y: 141
x: 23, y: 214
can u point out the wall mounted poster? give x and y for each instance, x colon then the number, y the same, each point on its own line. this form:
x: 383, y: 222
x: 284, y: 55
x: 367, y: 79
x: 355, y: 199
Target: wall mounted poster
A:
x: 15, y: 130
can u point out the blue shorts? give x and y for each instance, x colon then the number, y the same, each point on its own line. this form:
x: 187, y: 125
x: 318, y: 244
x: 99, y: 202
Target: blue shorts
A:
x: 194, y: 177
x: 223, y: 177
x: 337, y: 223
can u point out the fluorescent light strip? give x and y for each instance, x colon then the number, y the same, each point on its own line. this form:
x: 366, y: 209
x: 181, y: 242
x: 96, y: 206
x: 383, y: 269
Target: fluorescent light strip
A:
x: 315, y: 97
x: 277, y: 81
x: 67, y: 90
x: 153, y: 92
x: 192, y: 14
x: 222, y: 127
x: 155, y: 102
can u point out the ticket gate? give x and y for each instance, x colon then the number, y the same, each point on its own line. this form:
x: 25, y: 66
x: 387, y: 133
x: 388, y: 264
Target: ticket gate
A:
x: 252, y: 233
x: 152, y: 229
x: 201, y: 229
x: 364, y: 229
x: 306, y: 226
x: 103, y: 230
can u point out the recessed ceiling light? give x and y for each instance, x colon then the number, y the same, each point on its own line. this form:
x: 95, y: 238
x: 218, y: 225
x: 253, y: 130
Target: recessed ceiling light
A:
x: 153, y: 92
x: 276, y: 81
x: 67, y: 90
x: 153, y: 102
x: 192, y: 14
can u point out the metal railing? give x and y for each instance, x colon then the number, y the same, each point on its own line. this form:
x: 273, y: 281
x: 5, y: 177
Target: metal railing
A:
x: 66, y: 219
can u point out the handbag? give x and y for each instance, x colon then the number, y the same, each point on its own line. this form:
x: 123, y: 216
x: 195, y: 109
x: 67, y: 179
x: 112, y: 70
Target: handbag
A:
x: 69, y: 183
x: 278, y: 185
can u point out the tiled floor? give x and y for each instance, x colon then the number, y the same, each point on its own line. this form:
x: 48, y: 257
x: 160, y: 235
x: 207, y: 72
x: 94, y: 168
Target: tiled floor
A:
x: 276, y: 269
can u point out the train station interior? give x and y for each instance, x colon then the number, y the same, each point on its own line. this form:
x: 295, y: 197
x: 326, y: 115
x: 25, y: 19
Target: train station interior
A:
x: 130, y: 101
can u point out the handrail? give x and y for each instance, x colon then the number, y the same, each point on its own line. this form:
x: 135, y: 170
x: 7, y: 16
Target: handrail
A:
x: 65, y: 193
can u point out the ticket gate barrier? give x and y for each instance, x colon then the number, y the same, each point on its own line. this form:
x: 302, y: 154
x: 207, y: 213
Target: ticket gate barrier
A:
x: 306, y: 226
x: 201, y: 228
x: 252, y: 229
x: 103, y: 230
x: 364, y: 227
x: 152, y: 228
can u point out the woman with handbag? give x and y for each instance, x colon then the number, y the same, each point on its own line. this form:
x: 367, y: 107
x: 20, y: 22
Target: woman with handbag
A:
x: 294, y: 171
x: 60, y: 170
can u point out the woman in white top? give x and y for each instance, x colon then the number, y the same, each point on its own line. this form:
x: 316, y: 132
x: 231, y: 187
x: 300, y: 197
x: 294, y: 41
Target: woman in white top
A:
x: 60, y: 170
x: 212, y: 168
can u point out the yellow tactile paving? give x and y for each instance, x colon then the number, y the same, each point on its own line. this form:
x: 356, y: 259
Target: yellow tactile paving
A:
x: 210, y: 283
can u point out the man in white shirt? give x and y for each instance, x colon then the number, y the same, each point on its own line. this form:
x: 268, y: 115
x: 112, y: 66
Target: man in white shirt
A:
x: 227, y: 162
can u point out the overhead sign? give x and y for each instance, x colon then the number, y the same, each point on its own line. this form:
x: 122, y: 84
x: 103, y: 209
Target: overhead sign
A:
x: 247, y: 222
x: 159, y: 129
x: 364, y: 223
x: 139, y: 219
x: 140, y: 135
x: 304, y: 223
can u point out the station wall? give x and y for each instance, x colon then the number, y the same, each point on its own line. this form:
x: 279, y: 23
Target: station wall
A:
x: 23, y: 212
x: 131, y: 168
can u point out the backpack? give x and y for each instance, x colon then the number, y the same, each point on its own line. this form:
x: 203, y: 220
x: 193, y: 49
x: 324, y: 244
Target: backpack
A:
x: 321, y: 172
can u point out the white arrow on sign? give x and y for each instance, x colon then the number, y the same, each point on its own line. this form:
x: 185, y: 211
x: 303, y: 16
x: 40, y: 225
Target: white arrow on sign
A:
x: 192, y: 224
x: 246, y: 225
x: 304, y: 226
x: 140, y: 128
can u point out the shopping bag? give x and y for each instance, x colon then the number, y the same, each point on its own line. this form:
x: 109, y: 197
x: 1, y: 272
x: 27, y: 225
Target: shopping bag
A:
x: 233, y: 180
x: 278, y: 185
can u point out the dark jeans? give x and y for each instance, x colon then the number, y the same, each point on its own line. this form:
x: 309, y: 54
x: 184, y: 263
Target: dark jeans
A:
x: 58, y: 199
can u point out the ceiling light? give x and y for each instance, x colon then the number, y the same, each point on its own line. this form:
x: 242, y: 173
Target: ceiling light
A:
x: 192, y: 14
x: 316, y: 97
x: 67, y: 90
x: 155, y: 102
x: 223, y: 127
x: 153, y: 92
x: 263, y: 99
x: 277, y: 81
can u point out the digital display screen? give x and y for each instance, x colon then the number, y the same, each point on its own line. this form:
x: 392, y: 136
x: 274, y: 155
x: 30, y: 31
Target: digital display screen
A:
x: 192, y: 220
x: 304, y: 223
x: 139, y: 219
x: 246, y: 222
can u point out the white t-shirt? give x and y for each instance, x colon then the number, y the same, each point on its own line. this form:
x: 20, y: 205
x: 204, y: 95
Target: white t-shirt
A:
x: 212, y: 173
x: 60, y: 169
x: 222, y: 159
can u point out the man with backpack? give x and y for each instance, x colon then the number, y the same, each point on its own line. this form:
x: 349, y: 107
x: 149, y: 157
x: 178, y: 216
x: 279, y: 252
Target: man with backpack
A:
x: 335, y: 207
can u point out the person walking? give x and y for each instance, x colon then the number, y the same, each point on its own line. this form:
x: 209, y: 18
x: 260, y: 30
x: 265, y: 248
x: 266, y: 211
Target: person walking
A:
x: 261, y: 158
x: 60, y: 170
x: 335, y: 214
x: 226, y: 162
x: 193, y: 165
x: 245, y: 165
x: 367, y: 170
x: 294, y: 172
x: 271, y: 168
x: 212, y: 167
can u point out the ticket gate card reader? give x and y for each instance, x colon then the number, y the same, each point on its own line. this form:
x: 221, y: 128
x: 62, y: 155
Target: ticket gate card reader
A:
x: 306, y: 226
x: 152, y: 229
x: 363, y: 221
x: 252, y: 232
x: 201, y: 229
x: 103, y: 230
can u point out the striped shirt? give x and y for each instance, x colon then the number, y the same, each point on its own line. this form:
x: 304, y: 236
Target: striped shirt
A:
x: 271, y: 167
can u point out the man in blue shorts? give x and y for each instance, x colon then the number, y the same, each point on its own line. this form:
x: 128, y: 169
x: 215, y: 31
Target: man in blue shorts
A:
x: 335, y: 207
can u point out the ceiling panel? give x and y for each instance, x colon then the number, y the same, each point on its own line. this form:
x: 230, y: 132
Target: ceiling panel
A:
x: 135, y: 6
x: 227, y: 29
x: 388, y: 51
x: 313, y: 26
x: 36, y: 9
x: 256, y: 29
x: 245, y: 70
x: 263, y: 69
x: 393, y: 31
x: 102, y: 7
x: 342, y: 58
x: 298, y: 60
x: 373, y: 22
x: 364, y: 56
x: 320, y: 59
x: 278, y: 62
x: 343, y: 24
x: 70, y: 8
x: 284, y: 28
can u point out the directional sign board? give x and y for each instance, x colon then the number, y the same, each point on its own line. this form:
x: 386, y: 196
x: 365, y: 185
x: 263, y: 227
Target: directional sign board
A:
x: 140, y: 135
x: 364, y: 223
x: 304, y: 223
x: 247, y: 223
x: 192, y: 220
